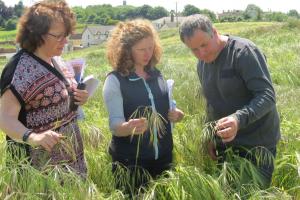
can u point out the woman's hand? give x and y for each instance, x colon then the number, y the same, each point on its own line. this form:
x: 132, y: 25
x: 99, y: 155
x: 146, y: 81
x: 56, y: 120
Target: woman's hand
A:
x: 137, y: 126
x: 81, y: 96
x: 47, y: 139
x: 175, y: 115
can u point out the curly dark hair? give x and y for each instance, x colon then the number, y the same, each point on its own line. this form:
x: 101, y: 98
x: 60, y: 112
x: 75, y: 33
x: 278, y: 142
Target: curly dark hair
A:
x: 124, y: 37
x: 37, y: 19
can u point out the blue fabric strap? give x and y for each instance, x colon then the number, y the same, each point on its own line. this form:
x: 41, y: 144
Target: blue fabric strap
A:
x: 150, y: 95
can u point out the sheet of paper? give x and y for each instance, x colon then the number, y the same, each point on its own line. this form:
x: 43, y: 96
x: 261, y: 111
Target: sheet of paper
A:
x: 77, y: 66
x: 91, y: 84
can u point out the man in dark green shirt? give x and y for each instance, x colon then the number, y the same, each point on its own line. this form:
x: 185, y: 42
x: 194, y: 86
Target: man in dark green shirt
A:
x: 237, y: 87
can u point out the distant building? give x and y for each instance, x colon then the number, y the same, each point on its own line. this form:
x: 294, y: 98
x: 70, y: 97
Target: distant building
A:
x: 75, y: 39
x: 230, y: 15
x: 74, y: 42
x: 124, y: 3
x: 167, y: 22
x: 93, y: 35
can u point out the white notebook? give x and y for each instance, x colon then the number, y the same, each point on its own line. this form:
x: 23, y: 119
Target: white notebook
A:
x: 91, y: 84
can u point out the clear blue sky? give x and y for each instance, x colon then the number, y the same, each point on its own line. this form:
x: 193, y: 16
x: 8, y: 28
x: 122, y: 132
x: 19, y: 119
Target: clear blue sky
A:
x: 214, y: 5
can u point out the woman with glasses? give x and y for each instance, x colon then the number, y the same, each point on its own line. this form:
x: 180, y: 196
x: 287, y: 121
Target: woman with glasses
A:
x: 35, y: 109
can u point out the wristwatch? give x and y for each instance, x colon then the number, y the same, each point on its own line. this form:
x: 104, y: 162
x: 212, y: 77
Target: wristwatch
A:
x: 26, y: 135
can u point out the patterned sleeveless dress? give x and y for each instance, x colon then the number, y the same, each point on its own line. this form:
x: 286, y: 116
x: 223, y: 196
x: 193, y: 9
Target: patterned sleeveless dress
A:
x: 44, y: 95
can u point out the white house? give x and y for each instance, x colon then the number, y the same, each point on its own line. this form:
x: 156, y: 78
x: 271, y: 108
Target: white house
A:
x: 74, y: 42
x: 167, y: 22
x: 93, y: 35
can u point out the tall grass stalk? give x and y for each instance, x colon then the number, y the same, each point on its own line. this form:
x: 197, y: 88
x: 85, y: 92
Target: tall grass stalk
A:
x: 185, y: 183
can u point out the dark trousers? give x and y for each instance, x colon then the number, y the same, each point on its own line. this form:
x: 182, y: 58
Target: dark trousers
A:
x: 130, y: 176
x: 262, y: 158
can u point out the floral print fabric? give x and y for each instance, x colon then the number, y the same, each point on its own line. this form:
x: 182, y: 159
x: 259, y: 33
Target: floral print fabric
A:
x: 44, y: 95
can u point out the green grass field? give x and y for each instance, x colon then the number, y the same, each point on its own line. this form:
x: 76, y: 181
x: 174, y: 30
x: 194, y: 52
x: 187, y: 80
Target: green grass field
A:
x: 195, y: 176
x: 7, y: 35
x: 11, y: 35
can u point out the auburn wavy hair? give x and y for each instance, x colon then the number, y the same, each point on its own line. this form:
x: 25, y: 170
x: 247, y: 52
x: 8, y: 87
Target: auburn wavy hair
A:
x: 124, y: 36
x: 37, y: 19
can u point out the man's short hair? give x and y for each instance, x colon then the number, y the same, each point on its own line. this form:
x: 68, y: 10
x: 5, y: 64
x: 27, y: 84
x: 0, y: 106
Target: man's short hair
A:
x: 193, y: 23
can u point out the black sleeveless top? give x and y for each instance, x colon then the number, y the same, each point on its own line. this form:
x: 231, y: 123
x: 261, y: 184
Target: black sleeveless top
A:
x: 136, y: 100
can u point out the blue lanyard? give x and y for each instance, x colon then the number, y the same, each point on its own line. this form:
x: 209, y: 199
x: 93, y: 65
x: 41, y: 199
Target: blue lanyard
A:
x: 150, y: 95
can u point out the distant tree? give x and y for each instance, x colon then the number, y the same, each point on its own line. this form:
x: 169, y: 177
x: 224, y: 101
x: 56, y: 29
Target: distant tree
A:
x: 209, y: 14
x: 239, y: 18
x: 97, y: 20
x: 124, y: 12
x: 11, y: 24
x: 158, y: 12
x: 112, y: 22
x: 103, y: 19
x: 91, y: 12
x: 91, y: 18
x: 6, y: 12
x: 293, y: 13
x: 79, y: 17
x: 80, y: 14
x: 276, y: 16
x: 2, y: 8
x: 144, y: 11
x: 95, y: 13
x: 18, y: 9
x: 2, y: 21
x: 253, y: 12
x: 104, y: 10
x: 190, y: 10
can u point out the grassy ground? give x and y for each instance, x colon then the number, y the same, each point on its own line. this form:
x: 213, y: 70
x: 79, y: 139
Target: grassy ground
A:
x: 195, y: 176
x: 7, y: 35
x: 11, y: 35
x: 8, y: 46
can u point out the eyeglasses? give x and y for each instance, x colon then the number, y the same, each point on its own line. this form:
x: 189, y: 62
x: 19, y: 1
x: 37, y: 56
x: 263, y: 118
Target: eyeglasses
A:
x: 58, y: 38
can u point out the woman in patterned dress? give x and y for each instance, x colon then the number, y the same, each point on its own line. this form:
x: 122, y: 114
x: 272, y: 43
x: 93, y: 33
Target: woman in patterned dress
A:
x: 35, y: 92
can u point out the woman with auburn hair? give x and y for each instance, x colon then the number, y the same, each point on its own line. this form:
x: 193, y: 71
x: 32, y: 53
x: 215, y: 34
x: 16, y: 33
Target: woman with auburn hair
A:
x: 35, y: 109
x: 135, y: 95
